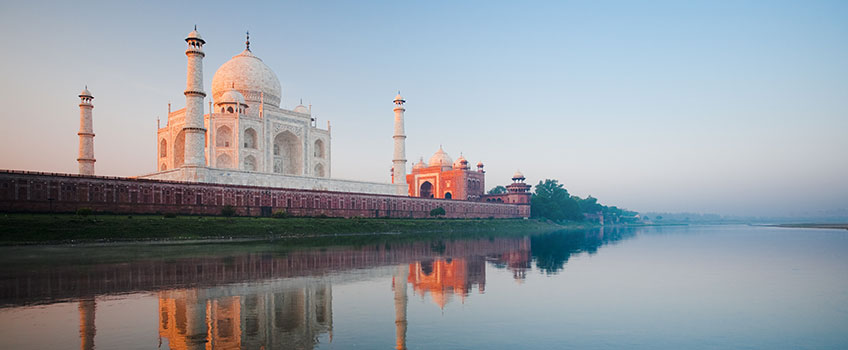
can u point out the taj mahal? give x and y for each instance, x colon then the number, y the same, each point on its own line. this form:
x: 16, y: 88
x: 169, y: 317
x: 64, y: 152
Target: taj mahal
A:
x: 242, y: 136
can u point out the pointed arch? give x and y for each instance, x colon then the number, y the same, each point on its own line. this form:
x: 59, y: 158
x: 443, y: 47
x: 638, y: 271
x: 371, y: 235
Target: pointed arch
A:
x: 249, y: 163
x: 163, y: 148
x: 179, y: 149
x: 425, y: 190
x: 319, y: 149
x: 250, y: 138
x: 224, y: 161
x: 223, y: 136
x: 319, y: 170
x: 288, y: 154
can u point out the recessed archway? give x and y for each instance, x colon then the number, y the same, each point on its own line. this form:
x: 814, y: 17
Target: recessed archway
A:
x: 250, y: 138
x: 319, y: 149
x: 179, y: 149
x: 163, y: 149
x: 250, y: 163
x: 223, y: 136
x: 426, y: 190
x: 288, y: 154
x: 448, y: 195
x: 224, y: 161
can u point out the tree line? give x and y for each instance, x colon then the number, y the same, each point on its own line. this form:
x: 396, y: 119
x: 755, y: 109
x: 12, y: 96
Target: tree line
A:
x: 552, y: 201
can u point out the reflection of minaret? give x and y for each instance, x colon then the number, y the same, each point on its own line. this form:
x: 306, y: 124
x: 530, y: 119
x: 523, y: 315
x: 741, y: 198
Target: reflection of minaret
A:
x: 399, y: 283
x: 87, y: 307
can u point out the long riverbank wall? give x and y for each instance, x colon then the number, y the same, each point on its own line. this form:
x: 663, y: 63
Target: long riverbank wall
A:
x: 22, y: 191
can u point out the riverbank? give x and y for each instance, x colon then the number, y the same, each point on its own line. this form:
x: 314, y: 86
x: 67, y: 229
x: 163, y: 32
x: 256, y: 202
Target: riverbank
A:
x: 69, y: 228
x: 811, y: 225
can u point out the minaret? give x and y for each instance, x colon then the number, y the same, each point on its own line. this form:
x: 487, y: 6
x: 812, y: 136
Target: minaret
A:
x: 86, y: 134
x: 195, y: 133
x: 399, y: 160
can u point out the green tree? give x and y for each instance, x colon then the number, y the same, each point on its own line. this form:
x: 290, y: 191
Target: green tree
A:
x: 552, y: 201
x: 589, y: 205
x: 497, y: 190
x: 437, y: 212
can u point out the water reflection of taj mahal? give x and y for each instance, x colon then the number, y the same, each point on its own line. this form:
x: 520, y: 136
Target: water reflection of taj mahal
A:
x: 269, y: 298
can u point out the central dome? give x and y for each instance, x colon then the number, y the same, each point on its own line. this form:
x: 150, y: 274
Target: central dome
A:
x: 250, y: 76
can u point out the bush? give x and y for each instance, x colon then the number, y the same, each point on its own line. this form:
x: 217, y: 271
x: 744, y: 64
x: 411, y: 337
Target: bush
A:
x: 279, y: 214
x: 228, y: 211
x: 84, y: 212
x: 437, y: 212
x: 170, y: 215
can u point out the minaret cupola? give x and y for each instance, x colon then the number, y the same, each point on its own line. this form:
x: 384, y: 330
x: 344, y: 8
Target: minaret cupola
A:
x: 195, y: 41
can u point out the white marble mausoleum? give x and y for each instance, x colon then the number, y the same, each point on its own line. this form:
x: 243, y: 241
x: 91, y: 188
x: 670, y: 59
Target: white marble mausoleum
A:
x: 243, y: 136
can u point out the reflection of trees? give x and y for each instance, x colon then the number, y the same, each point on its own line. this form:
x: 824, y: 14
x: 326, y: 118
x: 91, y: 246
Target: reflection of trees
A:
x: 552, y: 251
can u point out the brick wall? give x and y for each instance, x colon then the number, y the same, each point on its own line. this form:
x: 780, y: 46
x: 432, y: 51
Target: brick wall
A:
x: 49, y: 192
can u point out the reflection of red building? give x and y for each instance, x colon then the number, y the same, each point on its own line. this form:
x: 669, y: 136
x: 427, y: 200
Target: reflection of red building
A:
x: 441, y: 177
x: 443, y: 277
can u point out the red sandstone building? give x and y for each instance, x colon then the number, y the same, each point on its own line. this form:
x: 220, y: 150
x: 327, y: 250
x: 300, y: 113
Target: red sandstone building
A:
x: 441, y: 177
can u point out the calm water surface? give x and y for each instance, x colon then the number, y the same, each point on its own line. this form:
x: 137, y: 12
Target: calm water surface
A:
x: 711, y: 287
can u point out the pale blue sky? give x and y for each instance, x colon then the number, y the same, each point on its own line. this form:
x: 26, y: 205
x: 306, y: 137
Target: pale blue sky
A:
x: 731, y: 107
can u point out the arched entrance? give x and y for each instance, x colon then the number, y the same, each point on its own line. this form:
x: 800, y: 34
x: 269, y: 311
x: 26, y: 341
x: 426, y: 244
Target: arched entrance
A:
x: 448, y: 195
x: 426, y: 190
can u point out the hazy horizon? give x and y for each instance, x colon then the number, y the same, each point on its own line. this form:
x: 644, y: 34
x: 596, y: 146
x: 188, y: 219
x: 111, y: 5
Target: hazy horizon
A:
x: 732, y: 108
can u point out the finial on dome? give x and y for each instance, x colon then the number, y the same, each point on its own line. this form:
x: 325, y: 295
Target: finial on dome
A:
x: 195, y: 27
x: 247, y: 42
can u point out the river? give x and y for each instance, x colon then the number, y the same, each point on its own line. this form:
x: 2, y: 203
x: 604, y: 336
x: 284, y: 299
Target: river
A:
x: 685, y: 287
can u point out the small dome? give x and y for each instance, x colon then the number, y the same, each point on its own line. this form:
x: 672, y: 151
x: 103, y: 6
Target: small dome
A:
x: 232, y: 96
x: 460, y: 163
x: 419, y: 165
x: 479, y: 164
x: 85, y: 92
x: 301, y: 109
x: 518, y: 176
x: 399, y: 98
x: 440, y: 158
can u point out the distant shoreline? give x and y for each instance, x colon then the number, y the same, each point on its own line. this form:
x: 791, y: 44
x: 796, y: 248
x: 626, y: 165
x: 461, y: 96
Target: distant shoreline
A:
x: 812, y: 225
